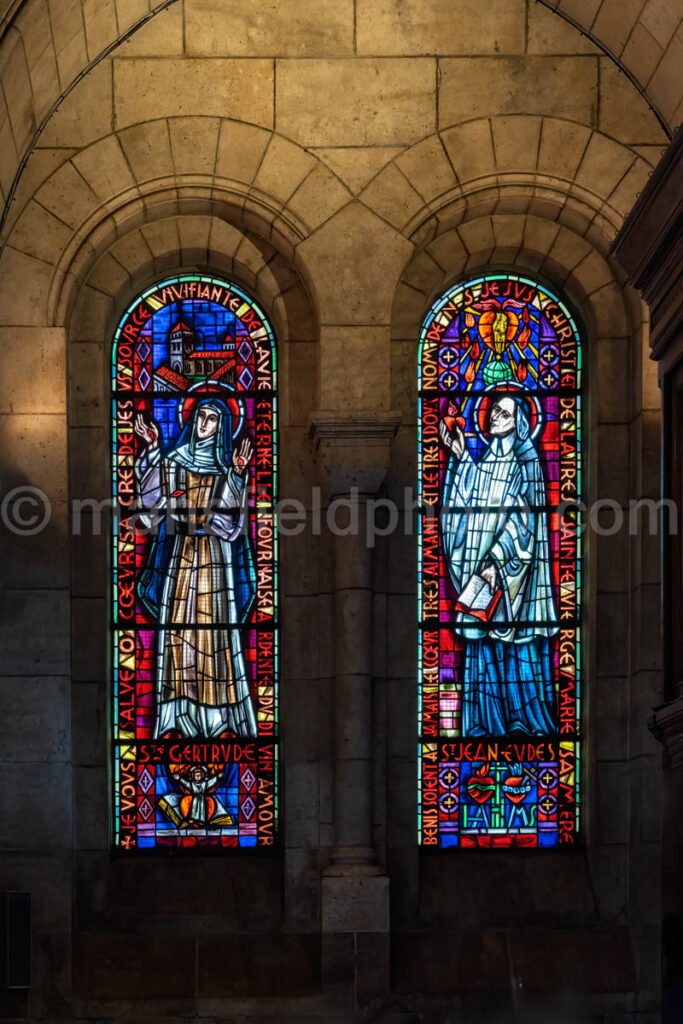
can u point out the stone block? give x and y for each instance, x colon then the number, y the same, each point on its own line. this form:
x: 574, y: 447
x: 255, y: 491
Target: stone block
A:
x: 392, y: 197
x: 623, y: 197
x: 228, y: 28
x: 260, y: 965
x: 299, y: 655
x: 90, y: 718
x: 609, y: 876
x: 35, y: 720
x: 403, y: 395
x: 610, y: 319
x: 516, y: 141
x: 219, y: 88
x: 344, y: 347
x: 470, y: 148
x: 603, y: 165
x: 463, y: 960
x: 611, y: 628
x: 355, y: 237
x: 38, y: 233
x: 615, y: 20
x: 611, y: 793
x: 427, y: 168
x: 240, y: 150
x: 35, y: 803
x: 283, y: 168
x: 398, y: 28
x: 44, y: 83
x: 302, y: 883
x: 562, y: 147
x: 104, y: 167
x: 164, y: 34
x: 194, y: 142
x: 642, y: 53
x: 148, y: 150
x: 550, y: 34
x: 355, y: 903
x: 26, y: 305
x: 245, y: 897
x: 357, y: 165
x: 90, y: 639
x: 33, y: 370
x: 92, y: 802
x: 85, y: 114
x: 552, y: 86
x: 625, y: 114
x: 36, y: 547
x: 108, y: 965
x: 101, y: 27
x: 613, y: 552
x: 355, y: 102
x: 611, y: 718
x: 17, y: 87
x: 37, y: 444
x: 72, y: 58
x: 589, y: 960
x: 68, y: 195
x: 319, y: 197
x: 36, y: 32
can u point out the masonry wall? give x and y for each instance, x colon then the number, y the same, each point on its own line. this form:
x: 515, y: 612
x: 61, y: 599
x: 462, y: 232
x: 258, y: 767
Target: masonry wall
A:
x: 346, y: 163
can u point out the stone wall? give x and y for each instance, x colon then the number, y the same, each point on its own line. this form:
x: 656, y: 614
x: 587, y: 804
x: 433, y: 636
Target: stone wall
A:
x: 344, y: 162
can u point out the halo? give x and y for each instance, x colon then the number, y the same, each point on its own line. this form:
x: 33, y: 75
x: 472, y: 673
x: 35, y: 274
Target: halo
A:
x: 483, y: 404
x: 207, y: 388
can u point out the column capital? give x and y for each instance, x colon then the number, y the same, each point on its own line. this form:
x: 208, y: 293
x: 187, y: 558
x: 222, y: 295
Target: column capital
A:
x: 666, y: 725
x: 353, y: 449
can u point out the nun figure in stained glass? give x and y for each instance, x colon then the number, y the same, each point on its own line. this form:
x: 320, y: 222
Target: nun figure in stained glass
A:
x: 198, y: 584
x: 495, y: 537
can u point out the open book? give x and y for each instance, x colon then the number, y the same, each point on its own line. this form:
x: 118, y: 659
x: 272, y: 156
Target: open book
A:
x: 477, y: 599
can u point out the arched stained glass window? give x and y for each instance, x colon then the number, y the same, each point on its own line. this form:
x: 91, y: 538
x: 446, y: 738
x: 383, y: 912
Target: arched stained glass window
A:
x: 499, y: 567
x: 195, y: 629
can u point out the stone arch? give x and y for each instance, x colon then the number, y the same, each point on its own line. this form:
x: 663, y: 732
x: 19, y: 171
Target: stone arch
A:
x: 47, y: 51
x: 103, y: 190
x: 483, y: 160
x: 530, y: 237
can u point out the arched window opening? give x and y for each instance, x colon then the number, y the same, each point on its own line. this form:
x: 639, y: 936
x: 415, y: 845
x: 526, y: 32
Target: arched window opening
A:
x: 195, y: 570
x: 500, y: 482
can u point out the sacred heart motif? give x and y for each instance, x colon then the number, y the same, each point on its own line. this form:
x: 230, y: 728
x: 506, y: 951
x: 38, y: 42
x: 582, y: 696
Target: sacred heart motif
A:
x: 516, y: 785
x: 480, y: 786
x: 453, y: 419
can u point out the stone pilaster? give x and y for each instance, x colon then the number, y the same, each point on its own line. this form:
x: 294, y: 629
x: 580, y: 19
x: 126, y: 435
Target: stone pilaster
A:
x: 353, y: 454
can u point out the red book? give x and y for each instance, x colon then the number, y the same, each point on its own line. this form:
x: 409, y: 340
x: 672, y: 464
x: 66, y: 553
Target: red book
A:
x: 477, y: 599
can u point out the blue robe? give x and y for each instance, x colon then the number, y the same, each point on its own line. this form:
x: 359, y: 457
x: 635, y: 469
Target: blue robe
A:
x: 491, y: 515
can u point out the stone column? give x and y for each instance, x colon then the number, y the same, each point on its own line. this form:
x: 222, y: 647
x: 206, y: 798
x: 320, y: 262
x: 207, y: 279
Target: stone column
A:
x: 353, y: 453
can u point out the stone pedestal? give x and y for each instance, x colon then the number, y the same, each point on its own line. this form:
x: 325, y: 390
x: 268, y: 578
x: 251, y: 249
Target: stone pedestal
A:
x: 353, y: 453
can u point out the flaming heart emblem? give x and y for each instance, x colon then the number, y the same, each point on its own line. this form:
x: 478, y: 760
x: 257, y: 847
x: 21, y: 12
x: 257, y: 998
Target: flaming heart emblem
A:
x: 516, y: 785
x: 480, y: 786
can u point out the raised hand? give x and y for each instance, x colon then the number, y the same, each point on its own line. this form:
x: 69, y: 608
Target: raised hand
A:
x: 149, y: 432
x: 491, y: 577
x: 241, y: 457
x: 455, y: 439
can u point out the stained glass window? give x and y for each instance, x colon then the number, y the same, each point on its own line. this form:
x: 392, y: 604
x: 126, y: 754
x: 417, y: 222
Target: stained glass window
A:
x: 499, y: 587
x: 195, y: 570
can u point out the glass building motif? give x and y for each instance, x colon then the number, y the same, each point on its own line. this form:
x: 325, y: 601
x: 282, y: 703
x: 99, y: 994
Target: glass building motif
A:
x: 500, y: 480
x: 195, y: 570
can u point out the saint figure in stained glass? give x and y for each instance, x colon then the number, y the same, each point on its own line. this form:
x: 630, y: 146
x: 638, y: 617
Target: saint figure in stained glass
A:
x: 496, y: 544
x: 199, y: 582
x: 500, y: 484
